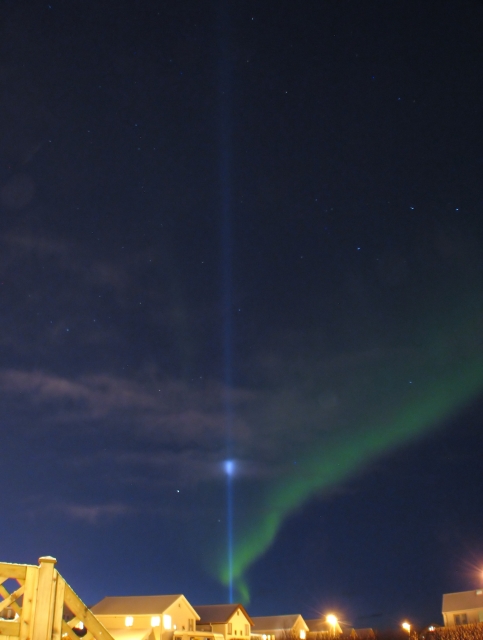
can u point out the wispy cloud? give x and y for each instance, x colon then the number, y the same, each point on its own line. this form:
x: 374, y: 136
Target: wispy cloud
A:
x: 66, y: 256
x: 88, y: 512
x: 94, y: 513
x: 166, y: 411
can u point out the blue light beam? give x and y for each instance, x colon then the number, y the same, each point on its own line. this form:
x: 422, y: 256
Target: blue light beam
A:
x: 225, y: 142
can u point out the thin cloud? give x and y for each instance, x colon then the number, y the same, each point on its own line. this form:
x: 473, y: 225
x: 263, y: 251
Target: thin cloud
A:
x: 169, y: 411
x: 91, y: 514
x: 94, y: 513
x: 66, y: 256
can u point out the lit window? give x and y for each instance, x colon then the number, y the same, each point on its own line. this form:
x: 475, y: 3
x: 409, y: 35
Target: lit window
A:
x: 167, y: 621
x: 191, y: 624
x: 155, y: 621
x: 302, y: 634
x: 79, y: 625
x: 129, y: 621
x: 229, y: 627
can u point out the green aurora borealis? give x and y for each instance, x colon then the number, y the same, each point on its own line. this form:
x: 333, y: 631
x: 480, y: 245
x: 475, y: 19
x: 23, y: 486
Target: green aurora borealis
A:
x: 385, y: 402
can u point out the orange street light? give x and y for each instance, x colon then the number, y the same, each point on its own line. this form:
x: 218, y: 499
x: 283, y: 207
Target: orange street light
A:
x: 332, y: 620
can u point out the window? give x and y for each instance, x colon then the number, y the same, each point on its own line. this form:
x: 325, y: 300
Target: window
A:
x: 247, y: 629
x: 302, y: 634
x: 460, y: 618
x: 235, y: 631
x: 191, y: 626
x: 155, y: 621
x: 167, y: 621
x: 230, y: 628
x: 128, y: 621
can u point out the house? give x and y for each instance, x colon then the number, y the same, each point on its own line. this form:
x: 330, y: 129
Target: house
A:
x: 280, y: 627
x: 349, y: 633
x: 230, y: 620
x: 318, y: 626
x: 146, y: 617
x: 463, y: 607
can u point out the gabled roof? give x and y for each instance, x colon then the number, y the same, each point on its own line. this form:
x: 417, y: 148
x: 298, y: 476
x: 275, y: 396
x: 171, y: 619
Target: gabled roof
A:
x: 463, y: 600
x: 317, y: 624
x: 349, y: 632
x: 137, y: 605
x: 219, y: 613
x: 277, y: 623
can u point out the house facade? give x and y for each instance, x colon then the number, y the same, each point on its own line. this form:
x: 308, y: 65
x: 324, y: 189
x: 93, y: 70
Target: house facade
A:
x: 463, y: 607
x: 290, y: 627
x: 230, y: 620
x: 163, y: 616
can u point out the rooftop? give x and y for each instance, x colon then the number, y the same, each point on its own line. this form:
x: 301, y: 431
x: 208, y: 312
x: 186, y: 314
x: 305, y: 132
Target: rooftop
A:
x: 462, y: 600
x: 134, y: 605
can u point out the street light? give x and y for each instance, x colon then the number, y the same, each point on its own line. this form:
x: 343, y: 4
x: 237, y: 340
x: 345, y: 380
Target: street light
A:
x: 407, y: 627
x: 332, y: 620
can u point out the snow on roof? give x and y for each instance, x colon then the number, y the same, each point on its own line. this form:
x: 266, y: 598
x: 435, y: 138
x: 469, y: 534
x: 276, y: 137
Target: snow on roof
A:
x: 463, y: 600
x: 135, y: 605
x: 219, y: 613
x: 276, y: 623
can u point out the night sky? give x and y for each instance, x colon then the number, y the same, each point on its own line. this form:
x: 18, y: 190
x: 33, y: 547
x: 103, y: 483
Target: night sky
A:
x: 246, y: 232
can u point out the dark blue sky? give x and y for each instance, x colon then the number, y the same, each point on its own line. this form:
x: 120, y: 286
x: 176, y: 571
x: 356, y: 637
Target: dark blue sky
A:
x: 255, y: 231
